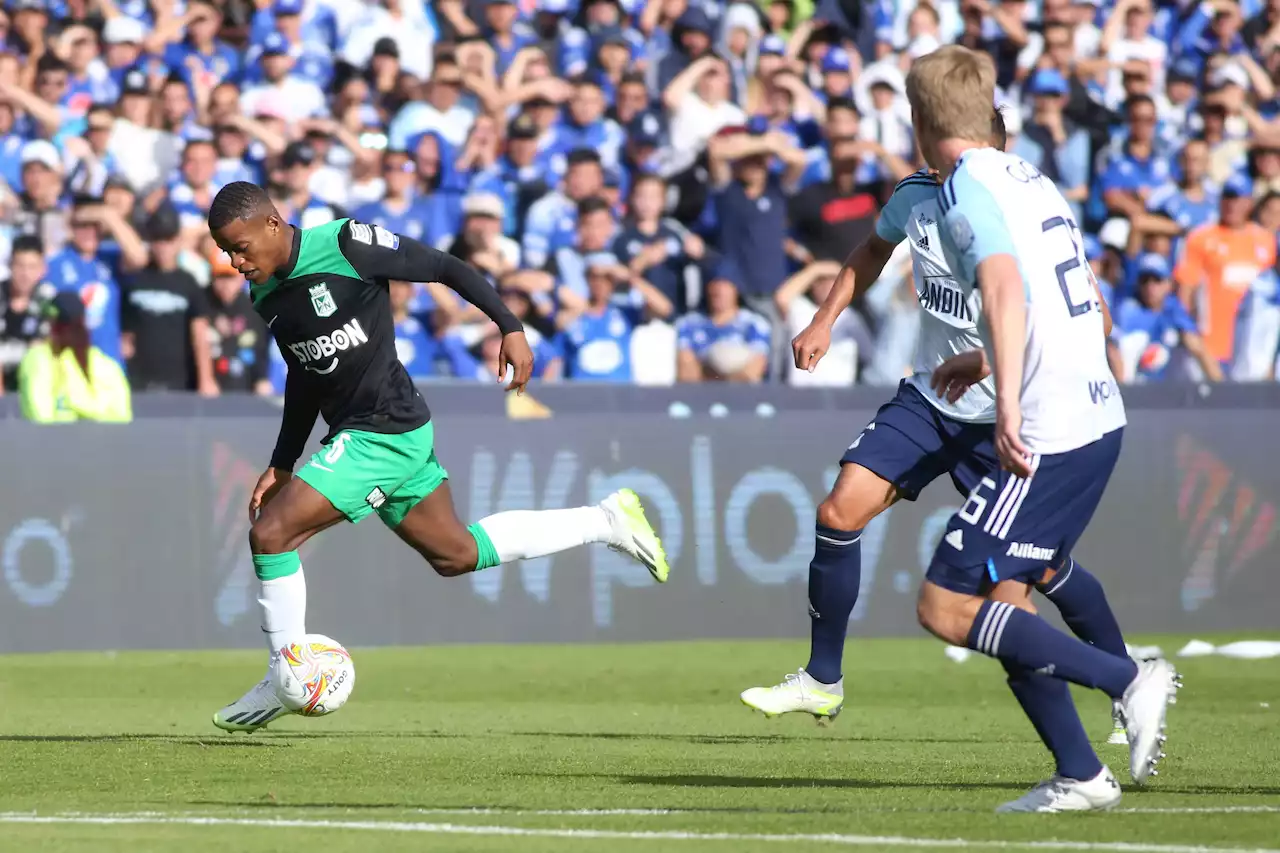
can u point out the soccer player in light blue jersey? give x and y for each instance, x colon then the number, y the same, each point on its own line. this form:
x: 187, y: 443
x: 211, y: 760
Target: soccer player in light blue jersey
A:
x: 1011, y: 238
x: 939, y: 422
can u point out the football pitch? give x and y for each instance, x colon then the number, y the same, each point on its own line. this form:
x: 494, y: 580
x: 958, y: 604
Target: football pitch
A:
x: 619, y: 748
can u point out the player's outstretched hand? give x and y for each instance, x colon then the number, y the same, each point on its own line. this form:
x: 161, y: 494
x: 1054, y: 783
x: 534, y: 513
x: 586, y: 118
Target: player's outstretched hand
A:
x: 959, y: 373
x: 811, y: 345
x: 271, y: 482
x: 1013, y: 454
x: 515, y: 352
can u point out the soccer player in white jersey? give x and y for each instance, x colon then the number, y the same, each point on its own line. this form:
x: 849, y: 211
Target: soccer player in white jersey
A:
x: 1009, y: 235
x: 939, y: 422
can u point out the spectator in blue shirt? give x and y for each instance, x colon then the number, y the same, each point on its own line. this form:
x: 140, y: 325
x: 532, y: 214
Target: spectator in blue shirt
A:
x: 193, y: 192
x: 593, y: 234
x: 553, y: 218
x: 399, y: 210
x: 1184, y: 204
x: 200, y: 58
x: 519, y: 177
x: 728, y: 342
x: 1153, y: 326
x: 1136, y: 168
x: 596, y: 339
x: 503, y: 31
x: 657, y: 248
x: 80, y: 268
x: 312, y: 54
x: 1059, y: 149
x: 584, y: 125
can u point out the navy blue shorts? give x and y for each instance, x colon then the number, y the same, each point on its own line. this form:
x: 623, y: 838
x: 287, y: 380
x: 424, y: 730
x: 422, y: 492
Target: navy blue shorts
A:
x: 1011, y: 528
x: 910, y: 444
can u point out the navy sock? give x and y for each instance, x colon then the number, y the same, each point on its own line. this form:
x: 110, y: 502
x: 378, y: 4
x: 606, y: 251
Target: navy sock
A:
x: 1083, y: 604
x: 834, y: 577
x: 1016, y: 636
x: 1047, y: 703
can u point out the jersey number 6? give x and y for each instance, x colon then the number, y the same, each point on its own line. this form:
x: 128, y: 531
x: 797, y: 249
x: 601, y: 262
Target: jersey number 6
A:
x: 1075, y: 262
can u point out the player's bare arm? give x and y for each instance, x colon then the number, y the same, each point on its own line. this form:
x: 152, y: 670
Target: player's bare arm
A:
x: 1004, y: 306
x: 861, y: 269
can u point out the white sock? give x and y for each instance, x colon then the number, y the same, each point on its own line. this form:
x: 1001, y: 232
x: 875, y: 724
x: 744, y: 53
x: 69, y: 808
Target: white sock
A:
x: 284, y: 610
x: 526, y: 534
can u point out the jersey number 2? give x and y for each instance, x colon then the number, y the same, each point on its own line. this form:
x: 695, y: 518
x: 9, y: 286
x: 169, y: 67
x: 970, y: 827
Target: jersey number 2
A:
x: 1075, y: 262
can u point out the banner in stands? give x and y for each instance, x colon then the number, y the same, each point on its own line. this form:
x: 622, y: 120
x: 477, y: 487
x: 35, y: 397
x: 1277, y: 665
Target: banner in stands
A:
x: 136, y: 536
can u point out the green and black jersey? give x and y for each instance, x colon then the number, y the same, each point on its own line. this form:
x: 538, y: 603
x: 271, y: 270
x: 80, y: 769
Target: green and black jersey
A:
x: 329, y: 310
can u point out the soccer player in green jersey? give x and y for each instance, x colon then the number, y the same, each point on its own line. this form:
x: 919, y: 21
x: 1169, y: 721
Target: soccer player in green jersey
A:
x: 323, y: 293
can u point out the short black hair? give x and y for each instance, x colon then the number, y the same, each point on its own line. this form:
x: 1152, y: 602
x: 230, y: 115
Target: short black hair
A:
x: 633, y: 77
x: 999, y: 132
x: 578, y: 156
x: 27, y: 243
x: 238, y: 200
x: 842, y: 104
x: 593, y: 204
x: 50, y: 62
x: 1137, y: 100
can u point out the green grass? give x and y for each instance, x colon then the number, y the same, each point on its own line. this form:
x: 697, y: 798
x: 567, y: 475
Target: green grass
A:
x: 925, y: 749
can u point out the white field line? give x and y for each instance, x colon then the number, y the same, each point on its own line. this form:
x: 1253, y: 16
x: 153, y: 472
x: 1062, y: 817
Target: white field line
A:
x: 611, y: 835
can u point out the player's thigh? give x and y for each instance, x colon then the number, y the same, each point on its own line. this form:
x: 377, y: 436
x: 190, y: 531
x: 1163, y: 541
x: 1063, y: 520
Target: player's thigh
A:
x: 1010, y: 527
x: 346, y: 471
x: 903, y: 448
x: 432, y: 528
x: 294, y: 515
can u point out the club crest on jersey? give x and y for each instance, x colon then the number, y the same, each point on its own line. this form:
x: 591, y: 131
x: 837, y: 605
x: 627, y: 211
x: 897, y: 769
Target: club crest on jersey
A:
x: 322, y: 300
x: 961, y: 232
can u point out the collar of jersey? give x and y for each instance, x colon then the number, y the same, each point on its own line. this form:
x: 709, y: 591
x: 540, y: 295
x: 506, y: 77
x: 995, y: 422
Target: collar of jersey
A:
x: 259, y: 292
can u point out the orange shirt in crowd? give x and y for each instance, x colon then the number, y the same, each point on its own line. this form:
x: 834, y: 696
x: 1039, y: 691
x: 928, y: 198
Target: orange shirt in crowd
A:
x: 1223, y: 264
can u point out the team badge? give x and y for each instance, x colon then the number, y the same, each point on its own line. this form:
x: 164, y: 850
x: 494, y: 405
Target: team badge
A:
x: 322, y: 300
x: 961, y: 232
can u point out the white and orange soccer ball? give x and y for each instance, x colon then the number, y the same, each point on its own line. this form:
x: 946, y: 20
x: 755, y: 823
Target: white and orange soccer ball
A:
x: 315, y: 677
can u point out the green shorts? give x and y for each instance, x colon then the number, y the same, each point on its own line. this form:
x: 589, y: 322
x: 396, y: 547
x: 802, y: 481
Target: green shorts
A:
x: 387, y: 473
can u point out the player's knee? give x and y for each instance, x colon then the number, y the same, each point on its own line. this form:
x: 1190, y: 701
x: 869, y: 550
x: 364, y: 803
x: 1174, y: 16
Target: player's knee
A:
x: 268, y: 536
x: 459, y: 560
x: 842, y: 513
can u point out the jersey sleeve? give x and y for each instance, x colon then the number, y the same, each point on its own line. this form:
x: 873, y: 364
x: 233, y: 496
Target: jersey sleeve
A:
x: 892, y: 223
x: 376, y: 253
x: 973, y: 224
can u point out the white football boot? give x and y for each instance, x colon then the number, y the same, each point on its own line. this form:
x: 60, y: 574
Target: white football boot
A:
x: 799, y: 691
x: 1119, y: 737
x: 253, y: 710
x: 633, y: 535
x: 1061, y: 794
x: 1143, y: 707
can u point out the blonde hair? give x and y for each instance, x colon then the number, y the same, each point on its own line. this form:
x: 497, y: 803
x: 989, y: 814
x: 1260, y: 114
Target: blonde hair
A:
x: 952, y: 93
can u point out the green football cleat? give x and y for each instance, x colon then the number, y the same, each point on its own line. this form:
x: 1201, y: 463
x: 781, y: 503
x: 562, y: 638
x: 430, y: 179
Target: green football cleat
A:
x: 633, y: 534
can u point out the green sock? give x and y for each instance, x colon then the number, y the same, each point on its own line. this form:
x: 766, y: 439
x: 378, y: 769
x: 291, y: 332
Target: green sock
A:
x: 486, y: 554
x: 268, y: 567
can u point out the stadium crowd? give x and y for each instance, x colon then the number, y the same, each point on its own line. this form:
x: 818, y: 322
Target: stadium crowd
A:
x: 662, y: 189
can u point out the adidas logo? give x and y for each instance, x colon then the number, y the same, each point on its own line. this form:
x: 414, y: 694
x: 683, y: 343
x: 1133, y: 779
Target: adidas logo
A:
x: 923, y: 243
x: 955, y: 539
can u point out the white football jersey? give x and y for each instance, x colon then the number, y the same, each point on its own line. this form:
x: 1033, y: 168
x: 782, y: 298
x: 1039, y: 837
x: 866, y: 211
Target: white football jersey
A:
x: 998, y: 204
x: 949, y: 314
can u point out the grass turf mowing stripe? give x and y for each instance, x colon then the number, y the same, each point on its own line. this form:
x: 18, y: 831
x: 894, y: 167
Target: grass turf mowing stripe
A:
x: 613, y: 835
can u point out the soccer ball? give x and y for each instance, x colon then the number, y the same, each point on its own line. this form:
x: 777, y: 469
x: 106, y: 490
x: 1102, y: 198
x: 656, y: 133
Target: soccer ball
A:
x: 315, y: 677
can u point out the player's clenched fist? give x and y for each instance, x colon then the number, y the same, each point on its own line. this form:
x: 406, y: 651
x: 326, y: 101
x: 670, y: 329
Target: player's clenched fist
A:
x: 516, y: 353
x: 811, y: 345
x: 271, y: 481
